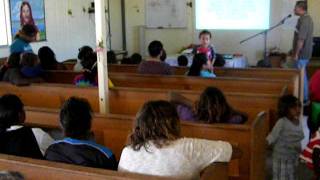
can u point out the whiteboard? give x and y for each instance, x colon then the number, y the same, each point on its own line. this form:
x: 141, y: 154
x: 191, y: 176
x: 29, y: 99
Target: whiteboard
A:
x: 166, y: 14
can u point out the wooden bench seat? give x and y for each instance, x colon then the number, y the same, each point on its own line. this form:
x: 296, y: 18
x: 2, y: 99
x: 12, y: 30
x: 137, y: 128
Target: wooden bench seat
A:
x: 112, y: 131
x: 33, y: 169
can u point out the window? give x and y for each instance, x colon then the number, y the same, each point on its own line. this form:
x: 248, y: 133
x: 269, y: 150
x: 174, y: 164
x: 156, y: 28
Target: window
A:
x: 4, y: 23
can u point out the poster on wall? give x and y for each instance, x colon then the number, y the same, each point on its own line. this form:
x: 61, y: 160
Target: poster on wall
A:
x: 31, y: 12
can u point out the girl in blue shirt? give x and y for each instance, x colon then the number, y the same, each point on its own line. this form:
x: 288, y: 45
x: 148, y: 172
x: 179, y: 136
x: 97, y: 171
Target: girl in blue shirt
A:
x: 201, y: 67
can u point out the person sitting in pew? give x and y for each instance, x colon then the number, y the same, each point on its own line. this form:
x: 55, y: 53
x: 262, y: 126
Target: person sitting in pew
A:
x: 14, y: 74
x: 183, y: 61
x: 84, y: 51
x: 48, y: 59
x: 23, y: 38
x: 156, y: 147
x: 30, y: 65
x: 78, y: 147
x: 154, y: 64
x: 201, y: 67
x: 89, y: 76
x: 212, y: 107
x: 21, y: 141
x: 285, y: 139
x: 135, y: 58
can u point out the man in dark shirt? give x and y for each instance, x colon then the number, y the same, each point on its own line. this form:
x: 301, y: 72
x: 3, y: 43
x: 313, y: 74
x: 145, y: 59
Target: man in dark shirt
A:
x: 303, y: 41
x: 154, y: 65
x: 77, y: 148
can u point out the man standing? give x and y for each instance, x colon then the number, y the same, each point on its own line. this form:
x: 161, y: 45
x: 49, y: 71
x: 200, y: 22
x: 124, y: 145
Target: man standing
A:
x: 303, y: 41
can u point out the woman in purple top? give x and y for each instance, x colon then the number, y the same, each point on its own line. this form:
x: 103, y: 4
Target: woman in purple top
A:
x: 154, y: 65
x: 212, y: 107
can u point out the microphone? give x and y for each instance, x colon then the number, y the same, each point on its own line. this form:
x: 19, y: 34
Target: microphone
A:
x: 286, y: 18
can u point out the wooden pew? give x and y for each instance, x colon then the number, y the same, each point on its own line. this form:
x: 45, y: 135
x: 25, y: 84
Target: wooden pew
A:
x: 112, y: 131
x: 39, y: 169
x: 266, y: 73
x: 128, y: 101
x: 245, y: 85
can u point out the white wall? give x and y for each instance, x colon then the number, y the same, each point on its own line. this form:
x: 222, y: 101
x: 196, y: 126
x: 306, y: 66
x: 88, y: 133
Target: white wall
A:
x: 65, y: 33
x: 226, y: 41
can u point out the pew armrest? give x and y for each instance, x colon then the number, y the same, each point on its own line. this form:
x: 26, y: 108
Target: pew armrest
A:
x: 215, y: 171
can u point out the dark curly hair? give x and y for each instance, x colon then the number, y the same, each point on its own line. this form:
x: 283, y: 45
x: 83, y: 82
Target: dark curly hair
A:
x: 214, y: 108
x: 158, y: 122
x: 286, y: 103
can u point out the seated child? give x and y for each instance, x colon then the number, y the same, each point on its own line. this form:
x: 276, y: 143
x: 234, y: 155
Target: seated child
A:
x: 48, y: 59
x: 84, y: 51
x: 285, y: 139
x: 16, y: 74
x: 157, y: 148
x: 205, y: 46
x: 21, y: 141
x: 212, y: 107
x: 201, y: 67
x: 30, y: 65
x: 77, y: 147
x: 89, y: 76
x: 154, y: 64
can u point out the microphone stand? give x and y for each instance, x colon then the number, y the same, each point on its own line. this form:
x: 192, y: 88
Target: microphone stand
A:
x: 265, y: 35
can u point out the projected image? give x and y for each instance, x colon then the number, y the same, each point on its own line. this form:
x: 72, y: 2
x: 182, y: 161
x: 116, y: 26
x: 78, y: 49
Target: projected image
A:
x: 28, y: 12
x: 232, y: 14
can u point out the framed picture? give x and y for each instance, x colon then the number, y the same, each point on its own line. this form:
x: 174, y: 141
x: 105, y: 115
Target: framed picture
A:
x: 31, y: 12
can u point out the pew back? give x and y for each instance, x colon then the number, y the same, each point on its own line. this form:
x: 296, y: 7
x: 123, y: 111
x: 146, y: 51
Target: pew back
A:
x: 113, y: 131
x: 39, y: 169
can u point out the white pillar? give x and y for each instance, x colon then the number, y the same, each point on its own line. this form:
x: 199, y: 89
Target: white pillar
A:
x: 101, y: 37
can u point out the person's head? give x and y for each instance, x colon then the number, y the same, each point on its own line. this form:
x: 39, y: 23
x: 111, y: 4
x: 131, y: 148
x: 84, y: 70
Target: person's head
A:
x: 289, y: 106
x: 136, y: 58
x: 26, y: 14
x: 29, y: 60
x: 200, y: 62
x: 112, y: 57
x: 14, y: 60
x: 28, y: 33
x: 11, y: 111
x: 156, y: 122
x: 182, y: 60
x: 205, y: 38
x: 89, y: 61
x: 212, y: 106
x: 84, y: 51
x: 75, y: 118
x: 219, y: 61
x: 47, y: 57
x: 155, y: 49
x: 301, y: 8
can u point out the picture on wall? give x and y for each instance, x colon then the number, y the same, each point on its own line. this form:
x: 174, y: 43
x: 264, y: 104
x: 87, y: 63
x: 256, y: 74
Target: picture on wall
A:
x: 31, y: 12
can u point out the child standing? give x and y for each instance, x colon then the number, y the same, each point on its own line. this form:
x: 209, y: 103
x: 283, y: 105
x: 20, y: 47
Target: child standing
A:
x: 205, y: 46
x: 286, y: 139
